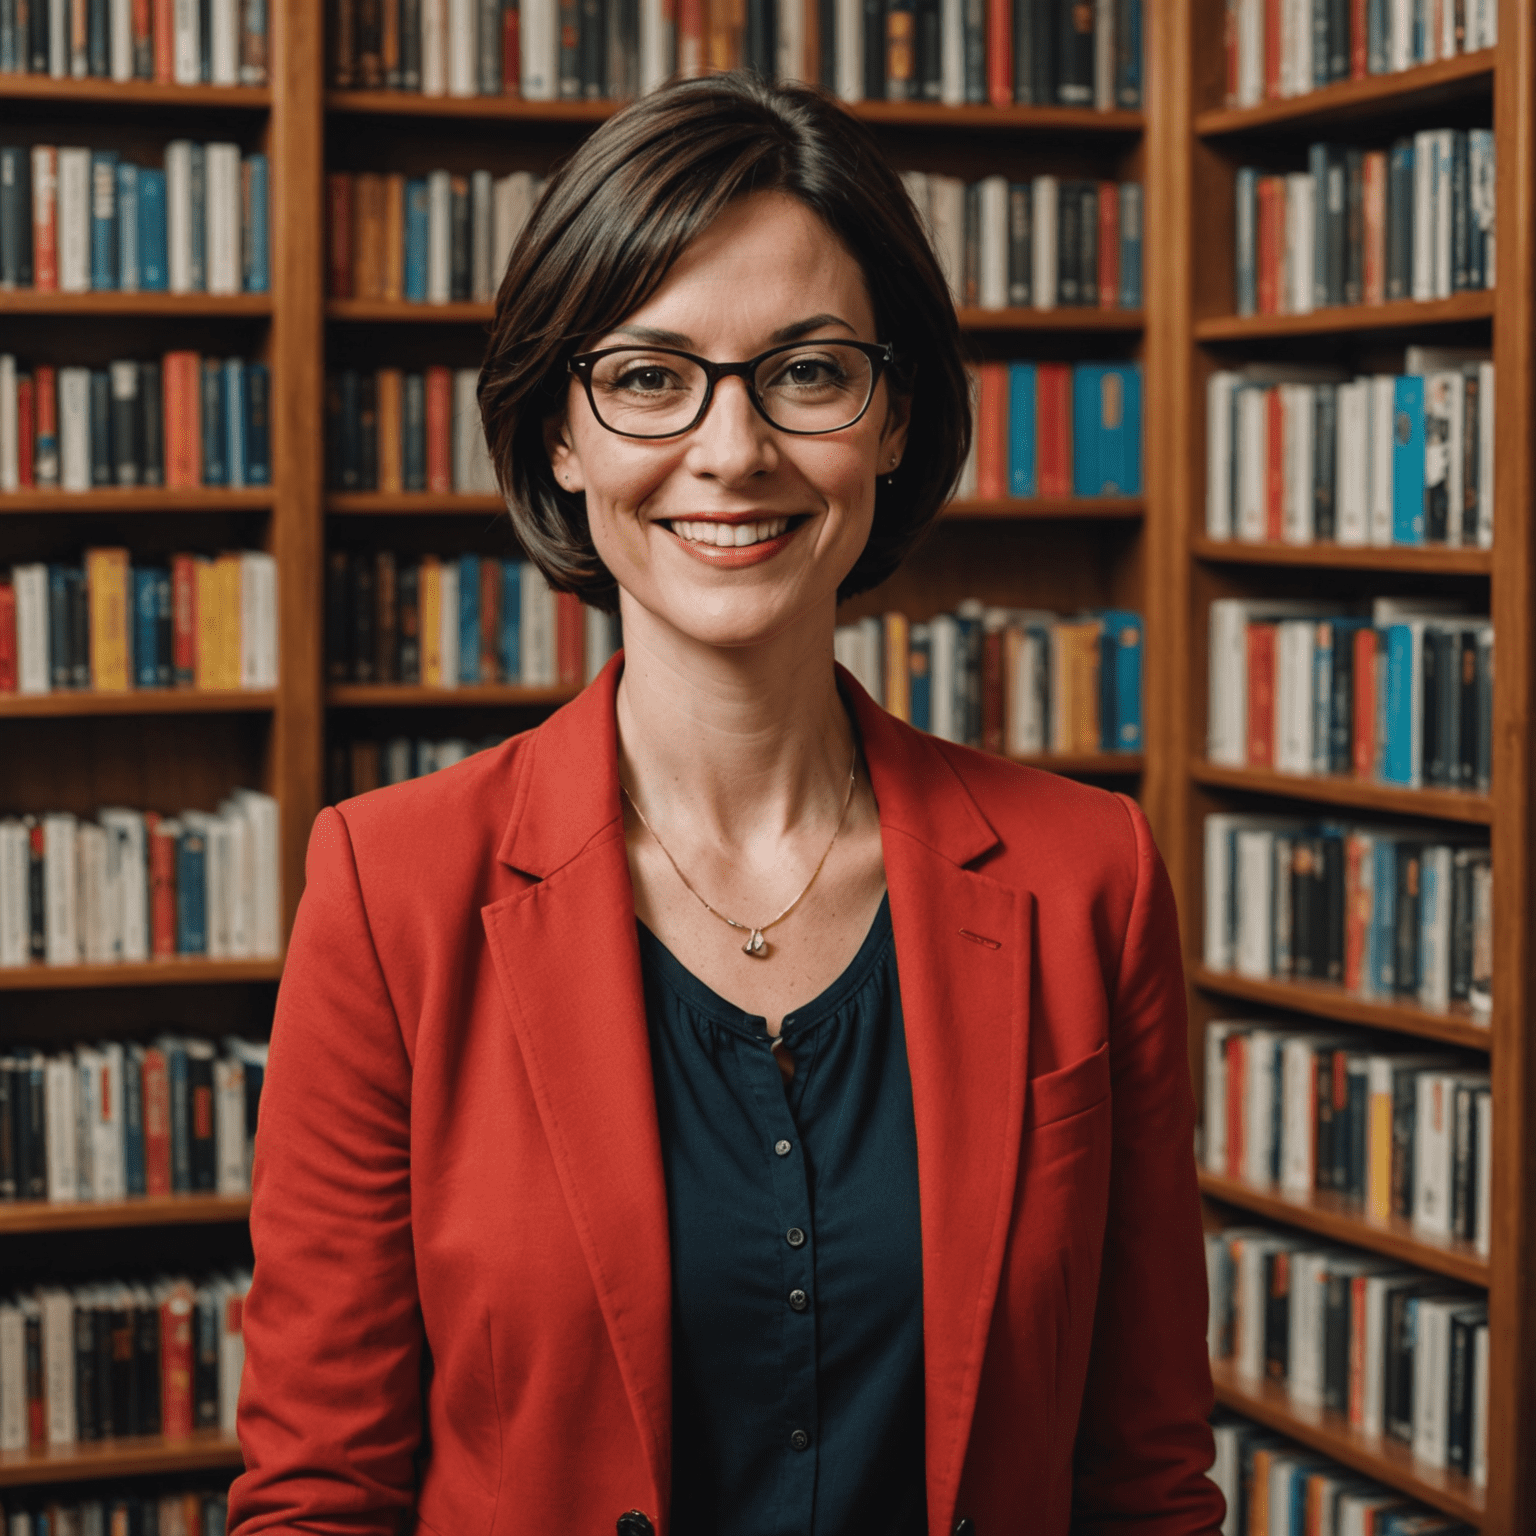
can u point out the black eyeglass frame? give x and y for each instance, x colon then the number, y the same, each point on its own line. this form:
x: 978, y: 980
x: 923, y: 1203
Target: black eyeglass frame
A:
x: 882, y: 355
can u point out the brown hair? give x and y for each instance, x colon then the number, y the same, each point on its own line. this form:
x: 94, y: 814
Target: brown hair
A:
x: 619, y: 212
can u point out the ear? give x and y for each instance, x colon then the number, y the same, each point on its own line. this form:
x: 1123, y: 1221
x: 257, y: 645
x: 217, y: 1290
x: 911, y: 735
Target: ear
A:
x: 563, y: 458
x: 893, y: 435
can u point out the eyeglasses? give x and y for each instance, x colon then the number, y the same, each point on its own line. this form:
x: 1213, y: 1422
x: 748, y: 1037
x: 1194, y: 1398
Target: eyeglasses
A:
x: 805, y: 387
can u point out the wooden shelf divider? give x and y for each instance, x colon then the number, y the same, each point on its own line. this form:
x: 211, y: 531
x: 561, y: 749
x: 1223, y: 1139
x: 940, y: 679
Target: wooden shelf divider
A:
x: 1425, y: 559
x: 113, y: 501
x: 1339, y: 789
x: 134, y: 94
x: 179, y: 970
x: 107, y: 1215
x: 417, y: 696
x: 1402, y: 315
x: 157, y: 306
x: 132, y: 1456
x: 67, y: 703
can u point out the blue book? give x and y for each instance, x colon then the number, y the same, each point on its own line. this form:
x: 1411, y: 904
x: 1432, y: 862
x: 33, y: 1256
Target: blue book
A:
x: 1086, y: 382
x: 920, y: 673
x: 1408, y: 459
x: 258, y: 424
x: 59, y: 674
x: 469, y: 618
x: 1324, y: 642
x: 234, y: 421
x: 256, y: 225
x: 512, y: 620
x: 191, y: 892
x: 154, y: 265
x: 1400, y: 752
x: 1128, y: 55
x: 1246, y: 241
x: 1317, y: 168
x: 175, y: 1053
x: 1130, y: 243
x: 128, y: 278
x: 413, y: 433
x: 146, y: 627
x: 133, y: 1118
x: 103, y: 220
x: 215, y: 433
x: 164, y: 673
x: 197, y: 216
x: 1120, y: 651
x: 9, y: 63
x: 417, y: 215
x: 1023, y: 479
x: 1377, y: 37
x: 1119, y: 430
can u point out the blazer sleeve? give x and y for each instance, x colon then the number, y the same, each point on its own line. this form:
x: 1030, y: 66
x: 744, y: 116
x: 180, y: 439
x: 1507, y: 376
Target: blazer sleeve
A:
x: 330, y: 1416
x: 1144, y: 1442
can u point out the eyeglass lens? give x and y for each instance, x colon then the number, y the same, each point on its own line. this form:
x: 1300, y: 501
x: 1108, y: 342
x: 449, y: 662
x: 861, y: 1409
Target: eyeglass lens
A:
x: 819, y: 387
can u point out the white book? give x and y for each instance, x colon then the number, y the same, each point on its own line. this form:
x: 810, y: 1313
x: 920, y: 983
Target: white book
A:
x: 1426, y: 153
x: 229, y: 1126
x: 1250, y: 59
x: 1251, y: 514
x: 943, y: 668
x: 952, y: 52
x: 1217, y: 1033
x: 1250, y: 1290
x: 471, y: 458
x: 463, y: 76
x: 220, y: 880
x: 1261, y: 1135
x: 946, y: 207
x: 222, y: 198
x: 240, y: 899
x: 1435, y: 927
x: 58, y: 41
x: 1227, y: 709
x: 58, y: 1331
x: 536, y: 628
x: 1400, y: 36
x: 513, y: 202
x: 13, y: 1377
x: 187, y: 42
x: 1383, y: 388
x: 1295, y: 48
x: 1298, y: 1111
x: 74, y: 386
x: 1352, y: 461
x: 1432, y: 1145
x: 61, y: 1118
x: 33, y: 674
x: 1483, y: 1225
x: 1301, y: 242
x: 439, y: 237
x: 232, y: 1352
x: 10, y: 462
x: 789, y: 41
x: 1432, y: 1377
x: 1221, y: 888
x: 127, y: 878
x: 91, y: 878
x: 178, y: 215
x: 1485, y: 476
x: 258, y: 619
x: 60, y: 889
x: 1307, y: 1338
x: 224, y: 42
x: 992, y: 287
x: 1045, y: 199
x: 106, y: 1127
x: 260, y: 811
x: 1293, y: 695
x: 1218, y: 1290
x: 1253, y: 882
x: 1298, y: 403
x: 1445, y: 148
x: 434, y: 48
x: 849, y: 24
x: 73, y: 230
x: 1025, y: 714
x: 449, y: 623
x: 658, y: 43
x: 1220, y: 390
x: 1104, y: 55
x: 483, y: 278
x: 1479, y: 1475
x: 120, y: 39
x: 15, y: 906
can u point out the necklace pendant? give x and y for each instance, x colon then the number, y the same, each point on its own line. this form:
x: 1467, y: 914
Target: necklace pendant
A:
x: 756, y: 945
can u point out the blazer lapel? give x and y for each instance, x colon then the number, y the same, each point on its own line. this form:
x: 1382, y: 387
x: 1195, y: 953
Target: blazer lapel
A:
x: 568, y: 964
x: 963, y: 955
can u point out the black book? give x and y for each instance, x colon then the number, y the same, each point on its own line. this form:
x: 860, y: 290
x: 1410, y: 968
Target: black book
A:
x: 759, y: 40
x: 102, y: 470
x: 338, y: 621
x: 88, y: 1426
x: 1024, y: 54
x: 874, y: 50
x: 368, y: 432
x: 386, y: 637
x: 1399, y: 263
x: 7, y: 1126
x: 1302, y: 920
x: 349, y: 460
x: 1464, y: 1326
x: 15, y: 217
x: 413, y: 432
x: 410, y: 45
x: 1021, y: 214
x: 1359, y: 1116
x: 1325, y: 411
x: 970, y: 247
x: 1463, y: 1160
x: 1405, y: 1111
x: 1484, y: 779
x: 58, y: 626
x: 1074, y: 54
x: 570, y: 50
x: 164, y: 675
x: 127, y: 436
x: 39, y: 34
x: 1069, y: 208
x: 1354, y: 242
x: 1338, y: 40
x: 623, y: 49
x: 258, y: 425
x: 408, y: 622
x: 124, y: 1397
x: 1336, y: 1342
x: 152, y: 414
x: 205, y: 1361
x: 1461, y: 214
x: 147, y: 1374
x: 361, y: 605
x: 1322, y: 1116
x: 1405, y: 980
x: 973, y: 16
x: 1448, y: 746
x: 1397, y: 1397
x: 930, y: 50
x: 205, y: 38
x: 32, y: 1128
x: 37, y: 908
x: 1333, y: 905
x: 1465, y: 775
x: 1277, y: 1314
x: 1463, y: 861
x: 1471, y: 456
x: 594, y: 57
x: 1334, y: 212
x: 900, y: 63
x: 826, y: 45
x: 1047, y: 28
x: 101, y: 1330
x: 99, y: 39
x: 460, y: 236
x: 1343, y: 1119
x: 200, y: 1142
x: 1341, y: 713
x: 335, y: 427
x: 79, y: 629
x: 1431, y: 764
x: 1088, y: 245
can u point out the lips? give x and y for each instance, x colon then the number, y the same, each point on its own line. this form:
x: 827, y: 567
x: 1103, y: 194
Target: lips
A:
x: 731, y: 543
x: 723, y: 535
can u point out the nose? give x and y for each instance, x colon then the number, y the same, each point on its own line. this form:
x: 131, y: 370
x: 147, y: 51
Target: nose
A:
x: 733, y: 443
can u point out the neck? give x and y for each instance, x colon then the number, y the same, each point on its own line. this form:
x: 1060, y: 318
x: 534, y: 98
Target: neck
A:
x: 742, y: 743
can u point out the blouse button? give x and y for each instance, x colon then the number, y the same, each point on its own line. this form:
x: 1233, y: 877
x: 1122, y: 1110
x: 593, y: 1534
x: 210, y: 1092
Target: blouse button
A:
x: 782, y: 1148
x: 795, y: 1237
x: 800, y: 1440
x: 798, y: 1301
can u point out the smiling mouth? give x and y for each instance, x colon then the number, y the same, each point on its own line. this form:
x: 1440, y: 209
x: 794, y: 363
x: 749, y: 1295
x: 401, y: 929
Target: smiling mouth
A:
x: 731, y: 535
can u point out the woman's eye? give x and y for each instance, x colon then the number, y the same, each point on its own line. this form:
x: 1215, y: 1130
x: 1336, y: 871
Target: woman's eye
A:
x: 804, y: 372
x: 644, y: 381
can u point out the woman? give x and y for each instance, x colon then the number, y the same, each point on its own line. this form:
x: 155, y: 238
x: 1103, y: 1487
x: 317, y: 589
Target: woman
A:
x: 725, y: 1109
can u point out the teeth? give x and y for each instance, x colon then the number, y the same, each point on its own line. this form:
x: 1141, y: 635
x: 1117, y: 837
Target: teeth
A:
x: 731, y: 535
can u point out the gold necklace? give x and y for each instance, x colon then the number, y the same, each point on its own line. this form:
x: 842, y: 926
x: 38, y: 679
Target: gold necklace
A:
x: 756, y: 944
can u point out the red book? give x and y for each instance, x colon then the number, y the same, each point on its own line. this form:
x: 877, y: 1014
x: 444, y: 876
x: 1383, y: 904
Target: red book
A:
x: 162, y: 886
x: 1053, y: 435
x: 1261, y: 695
x: 1272, y: 48
x: 157, y: 1123
x: 1274, y: 468
x: 1269, y: 242
x: 1236, y: 1057
x: 1000, y: 52
x: 1357, y: 1372
x: 1364, y: 685
x: 490, y: 622
x: 7, y: 637
x: 690, y: 39
x: 338, y: 201
x: 142, y: 22
x: 570, y: 640
x: 511, y: 52
x: 440, y: 431
x: 181, y: 379
x: 1234, y: 54
x: 45, y: 402
x: 37, y: 1403
x: 1374, y: 199
x: 1109, y: 245
x: 992, y: 432
x: 176, y: 1362
x: 26, y: 427
x: 1359, y: 39
x: 992, y: 690
x: 165, y: 41
x: 184, y: 620
x: 1357, y: 913
x: 45, y: 218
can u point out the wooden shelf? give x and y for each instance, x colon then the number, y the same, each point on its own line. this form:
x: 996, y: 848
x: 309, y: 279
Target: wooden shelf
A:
x: 178, y: 971
x: 1404, y: 315
x: 1428, y: 559
x: 204, y: 1450
x: 112, y: 501
x: 1337, y: 789
x: 103, y: 1215
x: 391, y: 695
x: 1088, y: 765
x: 1333, y: 1216
x: 411, y: 503
x: 1388, y: 1461
x: 135, y: 93
x: 137, y: 701
x: 1349, y: 100
x: 401, y: 312
x: 1457, y: 1026
x: 165, y: 306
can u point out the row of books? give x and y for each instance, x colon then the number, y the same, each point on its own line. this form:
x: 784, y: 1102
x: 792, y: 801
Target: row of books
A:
x: 108, y: 626
x: 217, y: 42
x: 1395, y: 1351
x: 1303, y: 455
x: 1368, y: 227
x: 1055, y: 429
x: 116, y: 1121
x: 1402, y: 695
x: 78, y: 220
x: 443, y: 622
x: 181, y: 1512
x: 1035, y: 52
x: 182, y: 422
x: 1034, y: 244
x: 1009, y: 680
x: 359, y: 765
x: 121, y: 1357
x: 1383, y: 912
x: 1281, y: 48
x: 132, y: 885
x: 436, y: 239
x: 1403, y: 1134
x: 393, y: 430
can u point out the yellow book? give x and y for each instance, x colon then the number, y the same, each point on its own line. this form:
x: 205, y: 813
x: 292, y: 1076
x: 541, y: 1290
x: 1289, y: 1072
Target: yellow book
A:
x: 106, y: 579
x: 1075, y: 686
x: 205, y: 666
x: 1258, y: 1505
x: 394, y: 235
x: 898, y: 666
x: 430, y: 597
x: 390, y: 388
x: 229, y: 620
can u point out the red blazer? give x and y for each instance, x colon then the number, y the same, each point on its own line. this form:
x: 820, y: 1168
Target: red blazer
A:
x: 462, y: 1289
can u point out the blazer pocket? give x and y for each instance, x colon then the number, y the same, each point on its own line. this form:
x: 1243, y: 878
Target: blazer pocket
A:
x: 1069, y: 1090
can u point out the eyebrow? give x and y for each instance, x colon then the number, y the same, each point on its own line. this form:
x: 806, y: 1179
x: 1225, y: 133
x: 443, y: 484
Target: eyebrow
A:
x: 653, y: 336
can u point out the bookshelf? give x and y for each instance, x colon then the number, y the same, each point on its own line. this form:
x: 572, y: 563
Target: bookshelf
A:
x: 1200, y: 144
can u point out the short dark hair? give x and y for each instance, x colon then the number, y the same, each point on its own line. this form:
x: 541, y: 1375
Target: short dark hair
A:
x: 619, y: 212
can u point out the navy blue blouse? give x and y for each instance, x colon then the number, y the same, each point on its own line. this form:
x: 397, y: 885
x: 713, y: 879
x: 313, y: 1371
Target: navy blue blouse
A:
x: 797, y: 1327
